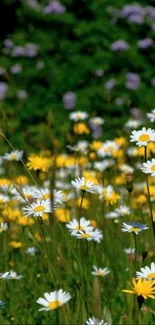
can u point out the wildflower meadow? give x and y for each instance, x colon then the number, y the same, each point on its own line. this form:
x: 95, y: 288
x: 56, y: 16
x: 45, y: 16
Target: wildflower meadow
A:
x: 77, y: 163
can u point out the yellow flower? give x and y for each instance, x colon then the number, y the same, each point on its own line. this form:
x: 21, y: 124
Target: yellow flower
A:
x: 121, y: 141
x: 85, y: 203
x: 21, y: 180
x: 95, y: 145
x: 81, y: 128
x: 93, y: 223
x: 61, y: 160
x: 5, y: 181
x: 111, y: 198
x: 142, y: 287
x: 63, y: 215
x: 25, y: 221
x: 39, y: 163
x: 92, y: 155
x: 15, y: 244
x: 37, y: 237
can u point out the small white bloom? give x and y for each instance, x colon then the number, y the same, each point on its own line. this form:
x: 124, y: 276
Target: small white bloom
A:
x: 96, y: 121
x: 3, y: 227
x: 78, y: 116
x: 147, y: 272
x: 54, y: 300
x: 95, y: 235
x: 75, y: 226
x: 149, y: 167
x: 84, y: 185
x: 95, y: 321
x: 151, y: 116
x: 13, y: 155
x: 123, y: 210
x: 142, y: 137
x: 37, y: 209
x: 133, y: 227
x: 129, y: 250
x: 31, y: 251
x: 99, y: 271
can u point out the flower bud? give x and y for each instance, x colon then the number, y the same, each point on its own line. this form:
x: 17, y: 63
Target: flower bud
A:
x: 129, y: 182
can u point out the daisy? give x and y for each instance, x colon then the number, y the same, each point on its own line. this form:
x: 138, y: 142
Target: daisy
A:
x: 37, y: 209
x: 133, y: 227
x: 81, y: 146
x: 78, y: 116
x: 13, y: 155
x: 149, y: 167
x: 83, y: 224
x: 3, y: 198
x: 151, y: 115
x: 133, y: 123
x: 123, y: 210
x: 24, y: 194
x: 100, y: 272
x: 84, y: 185
x: 103, y: 165
x: 5, y: 276
x: 94, y: 235
x: 96, y: 121
x: 3, y: 227
x: 54, y: 299
x: 31, y: 251
x: 129, y: 250
x: 95, y: 321
x: 142, y: 287
x: 13, y: 275
x: 44, y: 194
x: 147, y: 272
x: 142, y: 137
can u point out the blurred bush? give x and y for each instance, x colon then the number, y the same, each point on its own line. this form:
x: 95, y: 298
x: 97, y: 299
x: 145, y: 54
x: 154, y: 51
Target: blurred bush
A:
x: 60, y: 56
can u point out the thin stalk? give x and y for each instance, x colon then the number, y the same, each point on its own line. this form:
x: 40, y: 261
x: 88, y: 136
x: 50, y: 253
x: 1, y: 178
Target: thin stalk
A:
x: 148, y: 194
x: 83, y: 193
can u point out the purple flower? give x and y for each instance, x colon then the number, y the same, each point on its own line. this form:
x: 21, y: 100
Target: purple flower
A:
x: 31, y: 50
x: 119, y: 45
x: 150, y: 12
x: 16, y: 68
x: 3, y: 89
x: 135, y: 18
x: 136, y: 113
x: 54, y: 7
x: 129, y: 10
x: 18, y: 51
x: 8, y: 43
x: 99, y: 73
x: 96, y: 130
x: 69, y: 100
x: 145, y: 43
x: 133, y: 80
x: 110, y: 84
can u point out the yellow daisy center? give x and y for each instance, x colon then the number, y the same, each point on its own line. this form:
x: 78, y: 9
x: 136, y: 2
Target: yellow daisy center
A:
x: 151, y: 275
x: 100, y: 273
x: 134, y: 229
x: 144, y: 137
x: 84, y: 188
x: 153, y: 168
x: 86, y: 236
x: 79, y: 228
x: 39, y: 208
x: 54, y: 304
x: 79, y: 115
x: 13, y: 156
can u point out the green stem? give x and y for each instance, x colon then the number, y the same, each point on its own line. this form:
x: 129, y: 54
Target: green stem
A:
x: 83, y: 193
x: 148, y: 195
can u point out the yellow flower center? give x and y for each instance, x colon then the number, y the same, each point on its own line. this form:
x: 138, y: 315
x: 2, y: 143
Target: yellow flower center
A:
x: 153, y: 168
x: 100, y: 273
x: 54, y: 304
x: 79, y: 228
x: 78, y: 115
x: 151, y: 275
x: 144, y: 137
x: 84, y: 188
x: 39, y: 208
x: 134, y: 229
x: 86, y: 236
x: 13, y: 156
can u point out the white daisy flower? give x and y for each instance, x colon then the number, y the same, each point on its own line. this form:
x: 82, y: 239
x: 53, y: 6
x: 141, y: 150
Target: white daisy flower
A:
x: 133, y: 227
x: 151, y: 116
x: 13, y: 155
x: 97, y: 120
x: 5, y: 276
x: 14, y: 276
x: 54, y: 300
x: 83, y: 224
x: 3, y: 227
x: 112, y: 215
x: 78, y: 116
x: 95, y: 321
x: 95, y: 235
x: 37, y: 209
x: 31, y: 251
x: 44, y: 194
x: 4, y: 198
x: 123, y: 210
x: 133, y: 123
x: 142, y: 137
x: 99, y: 271
x: 107, y: 149
x: 103, y: 165
x: 81, y: 146
x: 147, y: 272
x: 84, y: 185
x: 126, y: 168
x: 129, y: 250
x: 26, y: 193
x: 149, y: 167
